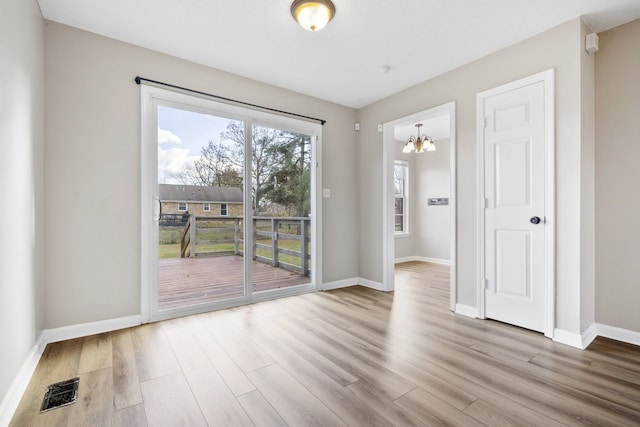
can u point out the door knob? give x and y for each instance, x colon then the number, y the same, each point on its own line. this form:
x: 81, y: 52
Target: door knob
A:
x: 535, y: 220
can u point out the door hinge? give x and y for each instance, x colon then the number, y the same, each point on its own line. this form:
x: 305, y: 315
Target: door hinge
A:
x: 486, y: 203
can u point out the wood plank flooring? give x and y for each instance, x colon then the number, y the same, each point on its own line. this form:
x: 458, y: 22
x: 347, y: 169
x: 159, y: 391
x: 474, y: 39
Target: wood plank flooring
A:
x: 351, y: 356
x: 189, y: 281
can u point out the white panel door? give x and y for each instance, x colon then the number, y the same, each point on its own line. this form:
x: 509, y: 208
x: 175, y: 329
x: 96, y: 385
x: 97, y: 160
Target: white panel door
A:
x: 514, y: 180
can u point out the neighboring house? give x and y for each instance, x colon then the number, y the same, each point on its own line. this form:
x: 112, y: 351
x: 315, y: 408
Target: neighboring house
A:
x: 199, y: 200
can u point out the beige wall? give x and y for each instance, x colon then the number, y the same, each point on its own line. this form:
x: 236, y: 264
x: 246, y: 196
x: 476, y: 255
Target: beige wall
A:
x: 617, y: 93
x: 429, y: 226
x: 433, y: 223
x: 587, y: 184
x: 21, y: 185
x: 93, y: 158
x: 558, y: 48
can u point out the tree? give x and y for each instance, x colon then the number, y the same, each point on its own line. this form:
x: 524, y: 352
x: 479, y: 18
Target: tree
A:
x: 289, y: 183
x: 280, y: 167
x: 214, y: 167
x: 278, y: 161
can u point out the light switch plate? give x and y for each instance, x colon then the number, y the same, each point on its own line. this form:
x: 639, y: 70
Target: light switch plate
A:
x: 326, y: 193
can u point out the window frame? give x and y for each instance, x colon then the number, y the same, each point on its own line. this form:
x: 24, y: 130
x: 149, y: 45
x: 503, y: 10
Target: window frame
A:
x: 186, y: 206
x: 404, y: 196
x: 224, y: 207
x: 206, y: 207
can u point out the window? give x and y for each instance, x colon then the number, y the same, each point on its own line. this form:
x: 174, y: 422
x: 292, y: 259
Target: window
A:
x: 182, y: 206
x: 401, y: 191
x: 223, y: 209
x: 206, y: 207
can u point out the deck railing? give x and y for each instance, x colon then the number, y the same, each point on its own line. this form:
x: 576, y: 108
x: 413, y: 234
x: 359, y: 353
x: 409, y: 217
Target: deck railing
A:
x: 217, y: 236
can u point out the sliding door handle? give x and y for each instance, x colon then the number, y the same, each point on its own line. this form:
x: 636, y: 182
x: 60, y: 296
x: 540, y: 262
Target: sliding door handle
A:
x: 157, y: 209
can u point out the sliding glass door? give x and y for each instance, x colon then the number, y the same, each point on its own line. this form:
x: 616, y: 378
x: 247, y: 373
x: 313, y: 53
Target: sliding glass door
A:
x: 200, y: 192
x: 281, y: 209
x: 228, y: 203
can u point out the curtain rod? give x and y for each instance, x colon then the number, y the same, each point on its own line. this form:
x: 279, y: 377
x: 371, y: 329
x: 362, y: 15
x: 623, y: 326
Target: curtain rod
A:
x: 139, y: 80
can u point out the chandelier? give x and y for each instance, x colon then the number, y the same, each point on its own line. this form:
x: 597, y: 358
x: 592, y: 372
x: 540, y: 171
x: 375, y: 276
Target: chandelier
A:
x: 419, y: 143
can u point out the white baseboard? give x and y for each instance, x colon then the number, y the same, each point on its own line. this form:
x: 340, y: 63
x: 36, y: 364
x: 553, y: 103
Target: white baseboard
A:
x: 339, y: 284
x: 569, y: 338
x: 466, y: 310
x: 588, y: 335
x: 573, y: 339
x: 371, y: 284
x: 404, y: 259
x: 595, y: 330
x: 618, y: 334
x: 19, y: 385
x: 423, y: 259
x: 435, y: 260
x: 91, y: 328
x: 352, y: 282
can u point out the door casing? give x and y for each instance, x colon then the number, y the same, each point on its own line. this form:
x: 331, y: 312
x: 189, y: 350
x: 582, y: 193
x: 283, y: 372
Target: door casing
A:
x: 388, y: 228
x: 548, y: 78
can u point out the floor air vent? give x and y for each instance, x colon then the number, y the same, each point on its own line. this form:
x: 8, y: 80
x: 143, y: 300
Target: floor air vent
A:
x: 60, y: 394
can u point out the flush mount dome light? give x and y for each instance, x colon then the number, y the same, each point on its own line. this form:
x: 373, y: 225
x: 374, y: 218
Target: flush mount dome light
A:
x: 313, y: 15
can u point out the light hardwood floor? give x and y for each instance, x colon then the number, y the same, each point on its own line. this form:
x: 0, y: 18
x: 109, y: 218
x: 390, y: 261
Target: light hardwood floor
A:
x: 352, y: 356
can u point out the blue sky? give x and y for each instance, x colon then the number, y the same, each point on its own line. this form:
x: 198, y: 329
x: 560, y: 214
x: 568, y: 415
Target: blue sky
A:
x: 181, y: 135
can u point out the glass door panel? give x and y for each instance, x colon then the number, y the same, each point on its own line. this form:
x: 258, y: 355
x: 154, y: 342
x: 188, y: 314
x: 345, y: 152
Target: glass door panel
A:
x: 281, y: 209
x: 201, y: 221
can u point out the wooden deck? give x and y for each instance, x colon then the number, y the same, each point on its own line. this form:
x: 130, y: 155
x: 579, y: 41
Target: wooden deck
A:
x: 189, y: 281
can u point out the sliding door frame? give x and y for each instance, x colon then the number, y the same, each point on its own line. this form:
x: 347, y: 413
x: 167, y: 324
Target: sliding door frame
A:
x: 151, y: 98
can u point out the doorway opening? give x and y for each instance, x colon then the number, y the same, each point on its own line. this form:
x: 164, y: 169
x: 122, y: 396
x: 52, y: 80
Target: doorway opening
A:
x: 419, y: 194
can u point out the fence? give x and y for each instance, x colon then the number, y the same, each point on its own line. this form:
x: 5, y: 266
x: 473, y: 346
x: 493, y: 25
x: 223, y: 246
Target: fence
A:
x: 216, y: 236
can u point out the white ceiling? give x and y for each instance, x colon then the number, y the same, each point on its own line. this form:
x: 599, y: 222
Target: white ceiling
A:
x: 344, y: 63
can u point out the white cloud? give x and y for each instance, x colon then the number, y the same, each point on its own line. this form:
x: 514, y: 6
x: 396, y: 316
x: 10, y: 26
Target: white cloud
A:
x: 172, y: 161
x: 165, y: 136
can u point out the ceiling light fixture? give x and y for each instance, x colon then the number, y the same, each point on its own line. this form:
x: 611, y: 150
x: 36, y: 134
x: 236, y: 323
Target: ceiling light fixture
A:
x: 419, y: 143
x: 313, y: 15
